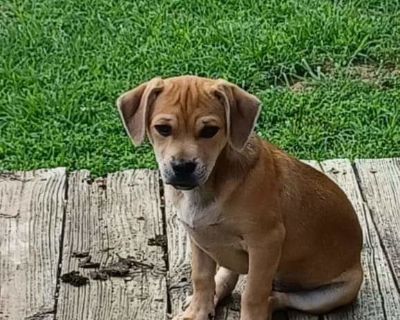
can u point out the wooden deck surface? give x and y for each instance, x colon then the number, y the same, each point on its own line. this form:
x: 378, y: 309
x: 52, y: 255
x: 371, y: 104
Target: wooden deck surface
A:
x: 47, y: 216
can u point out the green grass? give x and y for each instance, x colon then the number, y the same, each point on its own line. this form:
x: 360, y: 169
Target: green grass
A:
x: 63, y: 63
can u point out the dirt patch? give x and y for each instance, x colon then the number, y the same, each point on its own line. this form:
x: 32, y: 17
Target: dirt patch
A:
x: 74, y: 278
x: 382, y: 77
x: 301, y: 86
x: 375, y: 75
x: 88, y: 180
x: 116, y: 269
x: 12, y: 176
x: 123, y: 266
x: 133, y: 263
x: 367, y: 73
x: 40, y: 315
x: 101, y: 183
x: 333, y: 170
x: 98, y: 275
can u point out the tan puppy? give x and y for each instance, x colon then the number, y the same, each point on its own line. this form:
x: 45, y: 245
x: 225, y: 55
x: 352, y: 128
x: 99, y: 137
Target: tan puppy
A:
x: 249, y: 207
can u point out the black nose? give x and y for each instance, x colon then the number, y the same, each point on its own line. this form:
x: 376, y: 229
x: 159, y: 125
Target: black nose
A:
x: 181, y: 167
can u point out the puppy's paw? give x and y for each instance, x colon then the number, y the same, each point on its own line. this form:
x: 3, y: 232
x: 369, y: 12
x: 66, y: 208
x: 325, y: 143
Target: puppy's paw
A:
x: 197, y: 310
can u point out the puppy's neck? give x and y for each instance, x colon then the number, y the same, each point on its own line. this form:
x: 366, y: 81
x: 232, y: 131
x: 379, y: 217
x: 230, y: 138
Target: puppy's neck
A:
x: 197, y: 207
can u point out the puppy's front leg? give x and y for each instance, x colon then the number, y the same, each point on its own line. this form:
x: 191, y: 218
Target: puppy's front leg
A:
x: 202, y: 303
x: 263, y: 263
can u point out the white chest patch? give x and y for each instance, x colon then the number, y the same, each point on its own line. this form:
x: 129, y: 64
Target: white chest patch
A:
x: 195, y: 213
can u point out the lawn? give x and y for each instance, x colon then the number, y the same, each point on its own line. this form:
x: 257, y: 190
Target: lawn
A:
x: 328, y: 73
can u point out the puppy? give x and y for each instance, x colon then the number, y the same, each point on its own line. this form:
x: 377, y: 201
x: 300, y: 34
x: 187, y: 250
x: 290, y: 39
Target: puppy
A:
x: 248, y: 207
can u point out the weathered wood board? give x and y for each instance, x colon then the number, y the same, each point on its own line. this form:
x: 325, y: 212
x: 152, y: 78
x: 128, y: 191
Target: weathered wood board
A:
x: 380, y: 185
x: 109, y: 217
x: 45, y: 218
x: 379, y: 298
x: 31, y: 213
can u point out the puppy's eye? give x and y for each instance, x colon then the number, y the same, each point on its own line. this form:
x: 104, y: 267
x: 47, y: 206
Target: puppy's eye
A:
x: 208, y: 132
x: 164, y: 130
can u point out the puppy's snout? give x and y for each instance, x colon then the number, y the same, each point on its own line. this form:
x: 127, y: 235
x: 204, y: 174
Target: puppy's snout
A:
x: 182, y: 167
x: 183, y: 175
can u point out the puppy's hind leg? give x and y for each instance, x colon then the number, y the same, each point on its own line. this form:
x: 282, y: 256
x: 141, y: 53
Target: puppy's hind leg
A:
x: 225, y: 282
x: 322, y: 299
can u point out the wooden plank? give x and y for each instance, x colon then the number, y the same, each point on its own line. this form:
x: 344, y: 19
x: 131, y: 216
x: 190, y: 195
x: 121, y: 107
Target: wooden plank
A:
x: 379, y: 297
x: 110, y: 217
x: 380, y: 186
x: 31, y: 216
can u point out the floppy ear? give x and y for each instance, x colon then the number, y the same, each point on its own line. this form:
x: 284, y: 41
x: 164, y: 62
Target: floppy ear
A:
x: 133, y: 108
x: 241, y: 109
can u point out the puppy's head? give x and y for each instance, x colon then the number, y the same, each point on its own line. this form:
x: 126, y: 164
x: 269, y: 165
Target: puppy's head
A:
x: 189, y: 121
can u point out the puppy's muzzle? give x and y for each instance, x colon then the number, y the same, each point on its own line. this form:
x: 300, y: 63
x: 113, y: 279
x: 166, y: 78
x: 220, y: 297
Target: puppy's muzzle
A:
x: 183, y: 176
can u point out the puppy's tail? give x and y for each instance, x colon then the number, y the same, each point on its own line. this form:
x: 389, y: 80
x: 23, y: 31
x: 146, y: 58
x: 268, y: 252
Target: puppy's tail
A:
x: 322, y: 299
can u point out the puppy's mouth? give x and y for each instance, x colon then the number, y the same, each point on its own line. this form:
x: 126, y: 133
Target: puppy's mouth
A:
x: 182, y: 186
x: 183, y: 181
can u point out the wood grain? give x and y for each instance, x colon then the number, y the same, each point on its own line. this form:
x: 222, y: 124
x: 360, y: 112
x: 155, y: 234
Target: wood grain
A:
x: 110, y: 217
x: 31, y: 213
x: 378, y: 298
x: 380, y: 186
